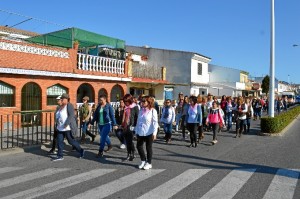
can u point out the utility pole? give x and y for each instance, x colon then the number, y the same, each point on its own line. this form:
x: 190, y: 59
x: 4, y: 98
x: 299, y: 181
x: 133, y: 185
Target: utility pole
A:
x: 272, y: 63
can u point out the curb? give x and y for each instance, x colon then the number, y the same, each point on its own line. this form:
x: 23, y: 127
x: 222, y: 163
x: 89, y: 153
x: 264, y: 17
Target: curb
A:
x: 11, y: 151
x: 283, y: 131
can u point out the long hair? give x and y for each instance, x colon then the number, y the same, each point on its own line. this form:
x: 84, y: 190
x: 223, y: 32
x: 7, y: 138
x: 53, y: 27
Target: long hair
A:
x: 150, y: 101
x: 128, y: 98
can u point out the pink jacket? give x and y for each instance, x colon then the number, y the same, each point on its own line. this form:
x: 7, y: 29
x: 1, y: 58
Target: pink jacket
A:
x: 214, y: 117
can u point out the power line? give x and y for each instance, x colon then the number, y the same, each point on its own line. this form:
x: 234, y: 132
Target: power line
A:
x: 29, y: 18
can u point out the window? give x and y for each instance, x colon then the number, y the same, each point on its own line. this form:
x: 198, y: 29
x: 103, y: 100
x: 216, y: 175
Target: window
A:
x: 199, y: 69
x: 7, y: 95
x: 53, y: 92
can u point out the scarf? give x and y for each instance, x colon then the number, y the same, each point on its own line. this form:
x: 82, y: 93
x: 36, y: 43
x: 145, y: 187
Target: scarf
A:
x: 166, y: 112
x: 126, y: 115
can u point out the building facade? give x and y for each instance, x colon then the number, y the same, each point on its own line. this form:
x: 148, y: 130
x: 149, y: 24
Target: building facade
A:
x: 33, y: 74
x: 187, y: 71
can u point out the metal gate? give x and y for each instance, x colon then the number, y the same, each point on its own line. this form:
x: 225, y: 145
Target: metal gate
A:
x: 31, y: 101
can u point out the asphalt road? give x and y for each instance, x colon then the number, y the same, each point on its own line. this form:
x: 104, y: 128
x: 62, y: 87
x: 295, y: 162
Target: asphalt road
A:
x: 248, y: 167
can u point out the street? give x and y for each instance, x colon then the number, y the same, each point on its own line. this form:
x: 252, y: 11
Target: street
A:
x: 248, y: 167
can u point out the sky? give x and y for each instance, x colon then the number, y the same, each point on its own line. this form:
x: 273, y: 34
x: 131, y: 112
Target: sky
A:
x: 233, y: 33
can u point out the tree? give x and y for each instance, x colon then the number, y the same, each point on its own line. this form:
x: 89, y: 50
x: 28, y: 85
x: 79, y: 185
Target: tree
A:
x: 265, y: 84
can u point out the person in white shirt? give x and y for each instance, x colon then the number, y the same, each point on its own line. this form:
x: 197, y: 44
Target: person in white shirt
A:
x: 241, y: 110
x: 146, y: 131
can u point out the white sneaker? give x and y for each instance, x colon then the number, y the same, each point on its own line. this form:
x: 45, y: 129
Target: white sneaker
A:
x: 122, y: 146
x: 147, y: 166
x: 215, y: 141
x: 142, y: 164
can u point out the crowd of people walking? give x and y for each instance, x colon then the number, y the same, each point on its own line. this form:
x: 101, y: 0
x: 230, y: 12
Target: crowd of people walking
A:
x: 139, y: 120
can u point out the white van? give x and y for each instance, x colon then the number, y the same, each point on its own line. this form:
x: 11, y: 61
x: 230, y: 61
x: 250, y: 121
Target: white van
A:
x: 290, y: 96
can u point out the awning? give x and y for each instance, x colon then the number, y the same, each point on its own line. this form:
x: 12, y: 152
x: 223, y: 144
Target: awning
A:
x: 65, y: 38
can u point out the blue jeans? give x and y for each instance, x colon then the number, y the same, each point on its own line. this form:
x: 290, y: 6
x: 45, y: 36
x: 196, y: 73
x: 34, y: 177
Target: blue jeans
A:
x: 177, y: 118
x: 229, y: 120
x: 168, y: 131
x: 168, y: 128
x: 104, y: 131
x: 120, y: 135
x: 84, y: 127
x: 71, y: 141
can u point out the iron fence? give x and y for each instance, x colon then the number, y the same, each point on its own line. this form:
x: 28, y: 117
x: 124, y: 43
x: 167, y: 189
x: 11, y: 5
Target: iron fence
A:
x: 28, y: 128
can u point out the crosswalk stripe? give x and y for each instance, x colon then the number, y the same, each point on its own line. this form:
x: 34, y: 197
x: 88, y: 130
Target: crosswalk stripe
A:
x: 173, y: 186
x: 9, y: 169
x: 117, y: 185
x: 60, y: 184
x: 283, y: 184
x: 29, y: 176
x: 230, y: 185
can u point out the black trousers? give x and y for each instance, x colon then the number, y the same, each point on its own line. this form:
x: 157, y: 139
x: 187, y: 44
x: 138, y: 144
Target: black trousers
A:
x: 192, y: 128
x: 128, y: 135
x: 183, y: 126
x: 140, y: 142
x: 215, y: 128
x: 54, y: 141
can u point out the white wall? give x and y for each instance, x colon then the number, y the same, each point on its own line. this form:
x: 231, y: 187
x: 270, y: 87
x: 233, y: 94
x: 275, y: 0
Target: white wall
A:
x: 204, y: 78
x: 223, y: 74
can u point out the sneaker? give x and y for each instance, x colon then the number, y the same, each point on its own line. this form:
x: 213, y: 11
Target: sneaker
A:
x: 214, y: 142
x: 147, y: 166
x: 57, y: 159
x: 99, y: 155
x: 122, y: 146
x: 52, y: 152
x: 142, y: 164
x: 82, y: 153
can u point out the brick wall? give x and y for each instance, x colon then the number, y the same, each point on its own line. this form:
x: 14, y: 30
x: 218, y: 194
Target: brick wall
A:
x: 18, y: 81
x: 20, y: 60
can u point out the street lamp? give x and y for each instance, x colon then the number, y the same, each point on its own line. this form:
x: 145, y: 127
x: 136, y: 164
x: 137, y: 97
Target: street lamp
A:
x: 272, y: 63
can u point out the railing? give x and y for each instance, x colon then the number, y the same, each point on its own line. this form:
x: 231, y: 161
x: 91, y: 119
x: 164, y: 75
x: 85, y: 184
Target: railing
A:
x: 25, y: 128
x: 101, y: 64
x: 28, y: 128
x: 145, y: 71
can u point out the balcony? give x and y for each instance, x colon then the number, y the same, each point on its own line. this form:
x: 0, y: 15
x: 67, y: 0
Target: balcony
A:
x: 147, y: 72
x: 102, y: 64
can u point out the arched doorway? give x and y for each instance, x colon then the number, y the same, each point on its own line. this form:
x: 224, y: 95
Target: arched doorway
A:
x: 31, y: 97
x: 116, y: 93
x: 31, y: 100
x: 102, y: 91
x: 85, y: 90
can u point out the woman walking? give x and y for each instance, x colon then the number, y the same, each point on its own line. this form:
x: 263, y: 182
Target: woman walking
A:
x: 249, y: 115
x: 104, y: 116
x: 168, y: 118
x: 228, y: 110
x: 193, y: 120
x: 66, y: 126
x: 129, y: 122
x: 185, y: 108
x: 85, y: 113
x: 215, y: 119
x: 119, y: 112
x: 241, y: 110
x: 146, y: 130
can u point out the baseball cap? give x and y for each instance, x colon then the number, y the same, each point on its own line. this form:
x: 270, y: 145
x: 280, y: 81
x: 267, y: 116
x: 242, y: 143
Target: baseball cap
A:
x: 58, y: 97
x: 64, y: 96
x: 86, y: 98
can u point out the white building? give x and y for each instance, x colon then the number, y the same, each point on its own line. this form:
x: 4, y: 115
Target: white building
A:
x: 227, y: 81
x: 187, y: 72
x: 283, y: 86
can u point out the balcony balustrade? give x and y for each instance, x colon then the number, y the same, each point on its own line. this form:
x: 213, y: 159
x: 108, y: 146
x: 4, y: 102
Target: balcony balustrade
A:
x: 101, y: 64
